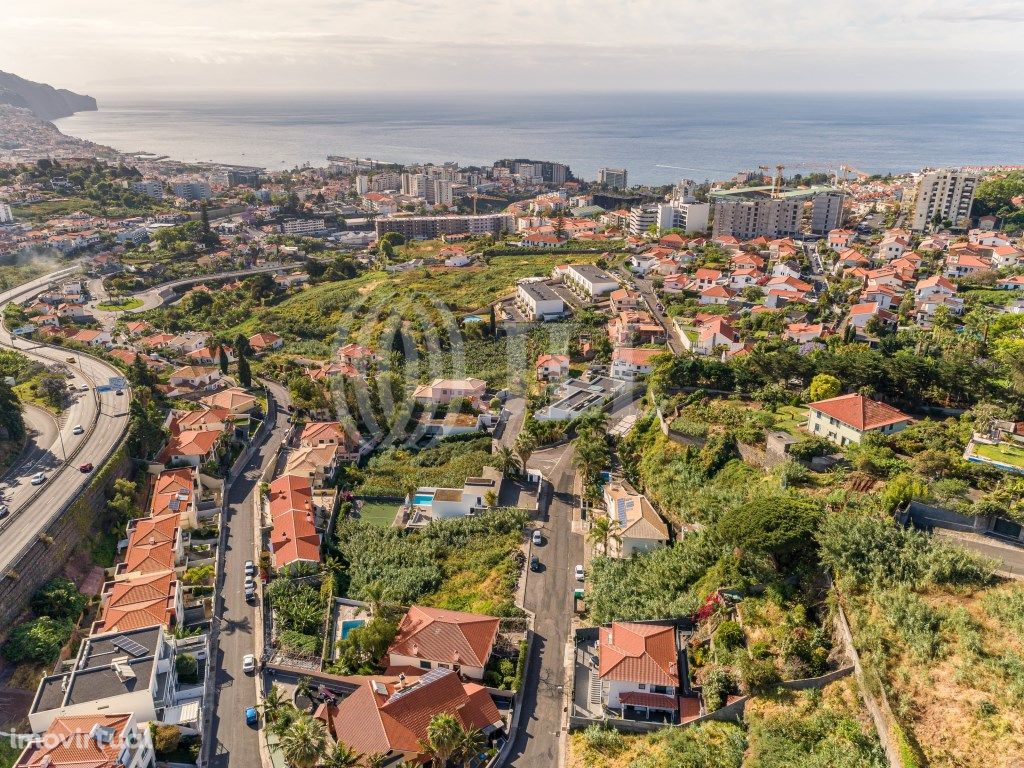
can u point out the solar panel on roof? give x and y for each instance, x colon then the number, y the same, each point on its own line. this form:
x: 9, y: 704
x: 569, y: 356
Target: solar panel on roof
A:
x: 129, y: 646
x: 435, y: 674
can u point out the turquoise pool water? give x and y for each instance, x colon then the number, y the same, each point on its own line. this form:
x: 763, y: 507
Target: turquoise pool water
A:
x: 472, y: 319
x: 423, y: 499
x: 348, y: 626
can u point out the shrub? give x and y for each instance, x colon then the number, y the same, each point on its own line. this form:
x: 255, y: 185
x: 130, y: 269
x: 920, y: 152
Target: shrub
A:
x: 187, y: 668
x: 59, y: 599
x: 38, y: 641
x: 297, y: 642
x: 758, y: 675
x: 717, y: 685
x: 607, y: 741
x: 166, y: 738
x: 762, y: 649
x: 728, y: 637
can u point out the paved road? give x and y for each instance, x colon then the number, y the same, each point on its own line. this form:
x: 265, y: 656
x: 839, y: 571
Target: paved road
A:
x: 516, y: 407
x: 104, y: 416
x: 538, y: 742
x: 235, y: 743
x: 41, y: 426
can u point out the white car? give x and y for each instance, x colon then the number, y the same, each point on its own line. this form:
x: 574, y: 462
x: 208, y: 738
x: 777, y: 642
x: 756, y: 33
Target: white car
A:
x: 579, y: 573
x: 78, y: 430
x: 84, y: 388
x: 248, y: 663
x: 250, y: 568
x: 538, y: 538
x: 38, y: 478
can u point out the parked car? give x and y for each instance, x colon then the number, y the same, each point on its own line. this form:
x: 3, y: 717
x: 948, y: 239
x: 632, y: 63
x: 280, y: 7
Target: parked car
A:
x: 534, y: 563
x: 70, y: 359
x: 84, y: 388
x: 579, y: 573
x: 119, y: 393
x: 248, y: 663
x: 78, y: 430
x: 38, y: 478
x: 538, y: 539
x: 251, y: 716
x: 87, y: 467
x: 4, y: 511
x: 250, y: 568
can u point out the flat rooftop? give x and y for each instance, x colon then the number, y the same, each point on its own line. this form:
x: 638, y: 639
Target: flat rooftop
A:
x: 766, y: 191
x: 539, y: 291
x: 592, y: 273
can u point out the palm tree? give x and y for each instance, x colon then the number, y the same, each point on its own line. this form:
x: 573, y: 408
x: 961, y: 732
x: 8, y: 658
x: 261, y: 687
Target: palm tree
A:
x: 304, y: 743
x: 304, y: 687
x: 376, y: 760
x: 380, y: 596
x: 526, y: 444
x: 602, y: 531
x: 506, y: 461
x: 272, y: 704
x: 472, y: 744
x: 591, y: 457
x: 594, y: 421
x: 341, y: 756
x: 444, y: 739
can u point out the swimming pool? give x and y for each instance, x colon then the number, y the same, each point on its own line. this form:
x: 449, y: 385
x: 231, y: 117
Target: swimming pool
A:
x: 423, y: 499
x: 350, y: 624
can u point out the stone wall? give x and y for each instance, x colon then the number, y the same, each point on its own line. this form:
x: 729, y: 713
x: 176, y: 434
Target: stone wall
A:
x: 48, y: 553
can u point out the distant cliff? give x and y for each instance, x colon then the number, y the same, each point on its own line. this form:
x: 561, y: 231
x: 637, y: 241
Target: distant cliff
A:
x: 44, y: 100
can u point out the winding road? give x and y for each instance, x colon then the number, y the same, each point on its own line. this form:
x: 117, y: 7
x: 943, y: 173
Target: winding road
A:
x: 103, y: 417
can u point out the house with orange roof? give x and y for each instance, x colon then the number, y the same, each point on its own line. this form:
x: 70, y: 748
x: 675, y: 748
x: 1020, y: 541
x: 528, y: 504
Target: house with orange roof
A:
x: 432, y: 638
x: 194, y: 376
x: 861, y: 314
x: 327, y: 371
x: 716, y: 294
x: 443, y: 391
x: 551, y: 367
x: 706, y: 337
x: 838, y: 239
x: 154, y: 546
x: 293, y: 536
x: 137, y: 327
x: 140, y: 600
x: 637, y: 525
x: 639, y: 667
x: 92, y: 337
x: 623, y: 299
x: 175, y: 492
x: 265, y: 342
x: 961, y: 262
x: 235, y: 400
x: 801, y: 333
x: 194, y: 447
x: 1013, y: 283
x: 885, y: 296
x: 631, y: 327
x: 95, y: 740
x: 319, y: 434
x: 633, y: 363
x: 933, y: 286
x: 847, y: 418
x: 318, y: 464
x: 389, y: 714
x: 356, y: 355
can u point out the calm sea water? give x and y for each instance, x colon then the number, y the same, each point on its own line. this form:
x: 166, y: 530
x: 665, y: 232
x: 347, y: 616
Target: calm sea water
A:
x: 658, y: 137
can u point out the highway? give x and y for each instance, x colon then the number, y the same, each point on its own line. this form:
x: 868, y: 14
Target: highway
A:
x: 104, y: 417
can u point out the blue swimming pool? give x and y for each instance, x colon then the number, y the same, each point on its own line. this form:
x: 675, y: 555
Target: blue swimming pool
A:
x: 349, y: 625
x: 472, y: 319
x: 423, y: 499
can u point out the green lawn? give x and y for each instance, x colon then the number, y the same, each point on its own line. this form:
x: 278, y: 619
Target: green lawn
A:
x: 789, y: 418
x: 1004, y: 453
x: 120, y: 306
x: 380, y: 513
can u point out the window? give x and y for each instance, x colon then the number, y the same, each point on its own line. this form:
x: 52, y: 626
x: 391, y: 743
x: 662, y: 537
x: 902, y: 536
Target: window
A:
x: 424, y: 665
x: 641, y: 686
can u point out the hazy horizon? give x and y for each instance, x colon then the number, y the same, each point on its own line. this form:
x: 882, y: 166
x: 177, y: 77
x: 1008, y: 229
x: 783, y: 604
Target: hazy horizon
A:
x: 343, y: 46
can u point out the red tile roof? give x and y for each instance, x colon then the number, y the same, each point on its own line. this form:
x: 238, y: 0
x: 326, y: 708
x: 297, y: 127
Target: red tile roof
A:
x: 69, y: 742
x: 139, y: 601
x: 639, y: 653
x: 861, y: 413
x: 385, y: 714
x: 652, y: 700
x: 450, y: 637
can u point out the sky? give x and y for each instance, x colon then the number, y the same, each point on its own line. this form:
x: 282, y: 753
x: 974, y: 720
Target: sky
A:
x: 111, y: 46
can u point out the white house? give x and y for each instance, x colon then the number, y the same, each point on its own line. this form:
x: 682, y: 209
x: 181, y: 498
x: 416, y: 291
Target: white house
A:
x: 633, y: 363
x: 638, y: 667
x: 538, y: 300
x: 436, y: 503
x: 552, y: 367
x: 845, y: 419
x: 636, y: 525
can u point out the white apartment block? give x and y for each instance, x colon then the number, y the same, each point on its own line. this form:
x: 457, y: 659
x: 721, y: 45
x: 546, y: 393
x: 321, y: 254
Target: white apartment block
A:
x: 642, y: 218
x: 946, y: 194
x: 303, y: 226
x: 148, y: 187
x: 193, y: 190
x: 614, y: 178
x: 537, y: 300
x: 689, y: 215
x: 590, y: 280
x: 6, y: 216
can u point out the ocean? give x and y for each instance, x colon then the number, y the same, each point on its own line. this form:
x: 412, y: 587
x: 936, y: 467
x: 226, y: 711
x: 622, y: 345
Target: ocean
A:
x: 659, y: 138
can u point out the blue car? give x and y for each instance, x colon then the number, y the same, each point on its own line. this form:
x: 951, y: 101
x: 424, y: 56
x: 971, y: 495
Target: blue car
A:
x: 251, y: 717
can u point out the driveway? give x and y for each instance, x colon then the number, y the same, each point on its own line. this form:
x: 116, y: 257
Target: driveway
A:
x: 234, y: 743
x: 539, y: 739
x: 507, y: 432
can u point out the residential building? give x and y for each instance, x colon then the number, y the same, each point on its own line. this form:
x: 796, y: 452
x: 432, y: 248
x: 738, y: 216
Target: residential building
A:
x: 299, y: 227
x: 845, y: 419
x: 130, y: 672
x: 389, y: 714
x: 943, y: 195
x: 639, y: 667
x: 636, y: 525
x: 444, y: 391
x: 613, y: 178
x: 590, y: 281
x: 6, y: 215
x: 436, y: 503
x: 235, y: 400
x: 686, y: 215
x: 552, y: 367
x: 194, y: 447
x: 826, y: 212
x: 265, y: 341
x: 434, y: 638
x: 193, y: 190
x: 644, y: 218
x: 318, y: 434
x: 153, y: 188
x: 293, y: 536
x: 194, y: 376
x: 91, y: 740
x: 317, y: 464
x: 632, y: 327
x: 746, y: 219
x: 538, y: 301
x: 431, y: 227
x: 633, y: 363
x: 140, y: 600
x: 174, y: 492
